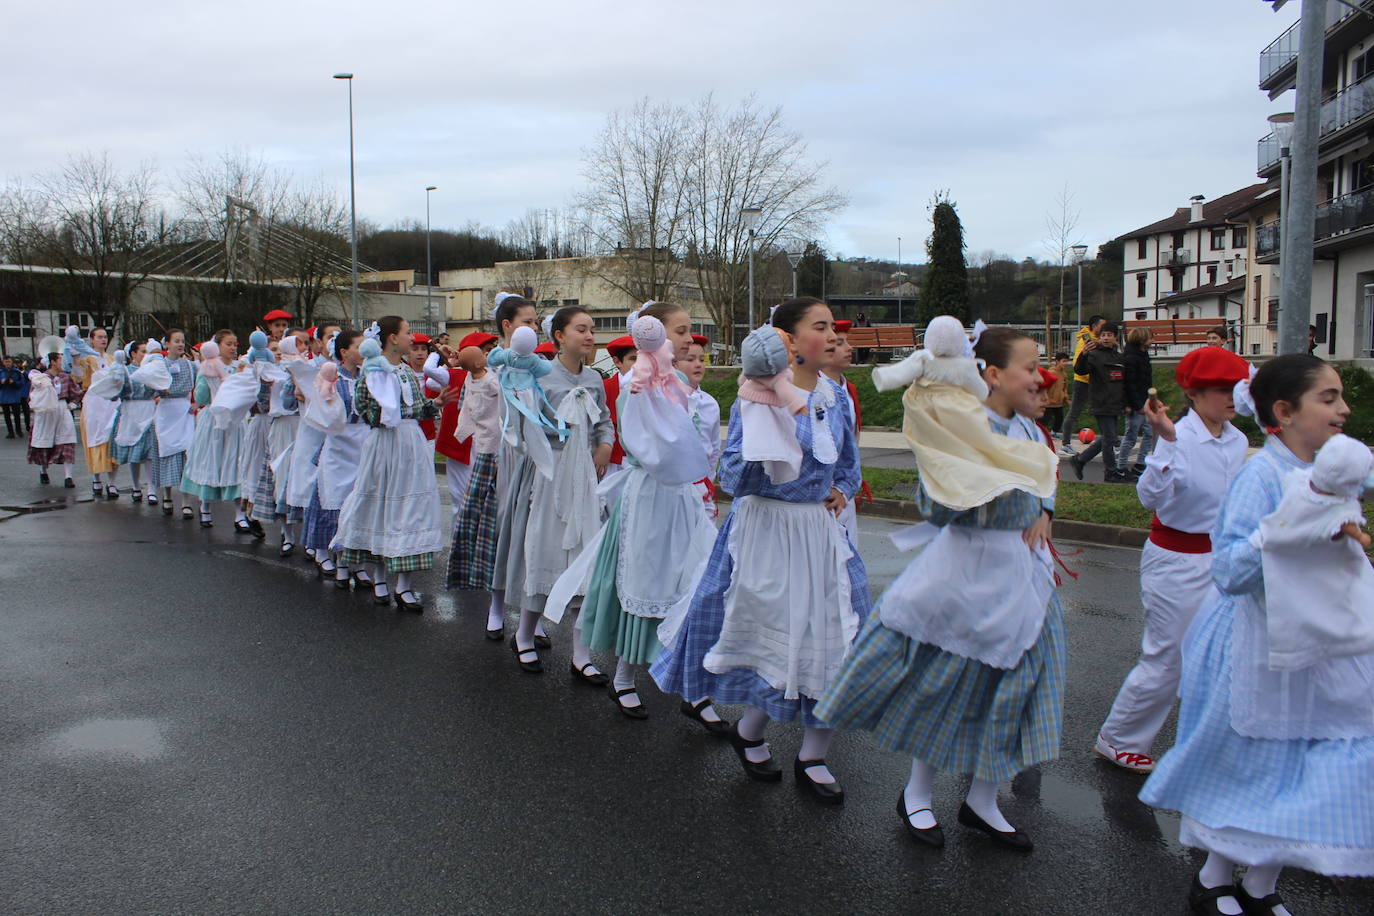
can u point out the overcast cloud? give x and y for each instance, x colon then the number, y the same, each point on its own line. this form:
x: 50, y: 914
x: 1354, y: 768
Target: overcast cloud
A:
x: 1137, y: 105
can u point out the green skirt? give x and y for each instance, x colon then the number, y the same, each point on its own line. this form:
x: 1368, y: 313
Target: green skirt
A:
x: 606, y: 627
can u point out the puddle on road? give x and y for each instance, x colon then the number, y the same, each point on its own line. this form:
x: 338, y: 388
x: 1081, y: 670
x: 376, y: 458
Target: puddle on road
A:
x: 1117, y: 810
x: 43, y: 505
x: 117, y: 739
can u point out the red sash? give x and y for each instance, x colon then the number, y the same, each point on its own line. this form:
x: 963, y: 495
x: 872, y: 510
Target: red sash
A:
x: 1178, y: 541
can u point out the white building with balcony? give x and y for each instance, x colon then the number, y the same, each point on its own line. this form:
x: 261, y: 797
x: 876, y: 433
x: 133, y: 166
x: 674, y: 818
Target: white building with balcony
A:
x: 1197, y: 263
x: 1342, y: 301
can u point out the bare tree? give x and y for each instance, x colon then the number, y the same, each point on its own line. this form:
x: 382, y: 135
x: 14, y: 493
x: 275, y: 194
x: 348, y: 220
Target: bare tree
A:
x: 634, y: 203
x: 102, y: 226
x: 734, y: 159
x: 1061, y: 225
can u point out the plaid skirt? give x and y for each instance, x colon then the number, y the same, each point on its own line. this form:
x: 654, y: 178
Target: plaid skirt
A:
x: 954, y: 713
x: 168, y: 469
x: 351, y: 557
x: 145, y: 449
x: 472, y: 556
x: 320, y: 524
x: 56, y: 454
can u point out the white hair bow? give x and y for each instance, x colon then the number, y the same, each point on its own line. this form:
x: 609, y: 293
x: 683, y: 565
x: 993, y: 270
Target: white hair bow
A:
x: 500, y: 298
x: 374, y: 331
x: 547, y: 325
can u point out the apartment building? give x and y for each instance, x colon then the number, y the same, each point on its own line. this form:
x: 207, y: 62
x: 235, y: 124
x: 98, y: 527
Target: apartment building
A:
x: 1342, y: 301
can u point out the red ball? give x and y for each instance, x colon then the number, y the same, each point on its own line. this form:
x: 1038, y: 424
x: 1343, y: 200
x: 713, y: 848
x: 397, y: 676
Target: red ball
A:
x: 1086, y: 436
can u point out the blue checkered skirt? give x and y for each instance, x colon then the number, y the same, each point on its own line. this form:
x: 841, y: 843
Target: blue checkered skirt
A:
x: 1303, y: 802
x: 320, y: 523
x: 145, y: 449
x: 954, y: 713
x: 679, y: 669
x: 168, y: 469
x: 472, y: 556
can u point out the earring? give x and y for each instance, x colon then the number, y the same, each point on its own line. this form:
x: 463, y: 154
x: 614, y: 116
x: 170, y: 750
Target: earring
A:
x: 800, y: 361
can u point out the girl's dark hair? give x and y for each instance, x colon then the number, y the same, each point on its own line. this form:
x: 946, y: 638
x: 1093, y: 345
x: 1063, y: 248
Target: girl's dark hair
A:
x: 562, y: 318
x: 509, y: 308
x: 661, y: 311
x: 1283, y: 378
x: 171, y: 331
x: 221, y: 334
x: 91, y: 332
x: 390, y: 324
x: 344, y: 340
x: 790, y: 313
x: 995, y: 345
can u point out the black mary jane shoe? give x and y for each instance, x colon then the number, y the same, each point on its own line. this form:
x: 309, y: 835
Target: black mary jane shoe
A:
x: 362, y: 580
x: 719, y: 727
x: 69, y: 483
x: 595, y: 679
x: 207, y: 523
x: 344, y: 583
x: 632, y: 712
x: 497, y: 634
x: 136, y: 496
x: 112, y: 493
x: 532, y: 666
x: 929, y: 836
x: 287, y: 548
x: 412, y: 603
x: 826, y: 793
x: 1203, y: 900
x: 44, y: 479
x: 241, y: 526
x: 1014, y: 840
x: 187, y: 513
x: 763, y: 771
x: 381, y: 600
x: 167, y: 509
x: 1257, y: 906
x: 255, y: 529
x: 96, y: 491
x: 542, y: 642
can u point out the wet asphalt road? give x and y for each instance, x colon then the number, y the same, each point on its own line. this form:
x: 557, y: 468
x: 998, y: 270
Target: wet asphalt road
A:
x: 189, y: 724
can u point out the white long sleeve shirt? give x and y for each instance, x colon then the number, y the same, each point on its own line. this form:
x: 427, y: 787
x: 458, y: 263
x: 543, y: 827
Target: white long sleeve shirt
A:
x: 1186, y: 480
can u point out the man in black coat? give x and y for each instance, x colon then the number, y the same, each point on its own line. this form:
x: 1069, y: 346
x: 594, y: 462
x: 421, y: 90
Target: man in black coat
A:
x: 1106, y: 372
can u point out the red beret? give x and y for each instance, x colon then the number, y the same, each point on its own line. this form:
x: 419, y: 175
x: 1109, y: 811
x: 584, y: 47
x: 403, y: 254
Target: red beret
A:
x: 843, y: 327
x: 620, y: 346
x: 477, y: 339
x: 1047, y: 378
x: 546, y: 348
x: 1211, y: 367
x: 701, y: 341
x: 417, y: 337
x: 277, y: 315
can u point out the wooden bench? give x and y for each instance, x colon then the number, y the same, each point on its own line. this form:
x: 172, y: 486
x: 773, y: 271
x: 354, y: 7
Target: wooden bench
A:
x: 1167, y: 331
x: 886, y: 338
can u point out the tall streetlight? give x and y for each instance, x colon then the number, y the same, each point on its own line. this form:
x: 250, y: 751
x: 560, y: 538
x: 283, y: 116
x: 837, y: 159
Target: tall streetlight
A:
x: 429, y: 267
x: 352, y: 191
x: 1078, y: 253
x: 751, y: 216
x: 795, y: 258
x: 1282, y: 124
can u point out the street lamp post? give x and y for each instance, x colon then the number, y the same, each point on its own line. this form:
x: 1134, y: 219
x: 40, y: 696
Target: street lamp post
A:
x: 751, y: 221
x: 1282, y: 123
x: 1079, y: 253
x: 794, y: 258
x: 352, y: 192
x: 429, y: 268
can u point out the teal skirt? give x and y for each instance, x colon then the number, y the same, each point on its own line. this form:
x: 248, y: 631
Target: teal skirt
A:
x: 606, y: 627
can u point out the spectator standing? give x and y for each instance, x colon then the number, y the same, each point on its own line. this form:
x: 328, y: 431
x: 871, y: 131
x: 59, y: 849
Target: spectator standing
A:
x: 1139, y: 378
x: 1106, y: 373
x: 11, y: 392
x: 1086, y: 334
x: 1057, y: 395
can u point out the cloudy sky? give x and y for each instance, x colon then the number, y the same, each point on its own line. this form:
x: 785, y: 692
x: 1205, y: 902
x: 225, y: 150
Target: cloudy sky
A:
x: 1135, y: 105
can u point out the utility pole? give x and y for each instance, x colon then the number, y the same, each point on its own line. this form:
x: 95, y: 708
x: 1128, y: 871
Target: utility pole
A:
x: 1299, y: 219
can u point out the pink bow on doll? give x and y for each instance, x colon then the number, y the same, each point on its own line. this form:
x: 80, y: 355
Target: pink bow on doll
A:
x: 325, y: 379
x: 654, y: 366
x: 773, y: 390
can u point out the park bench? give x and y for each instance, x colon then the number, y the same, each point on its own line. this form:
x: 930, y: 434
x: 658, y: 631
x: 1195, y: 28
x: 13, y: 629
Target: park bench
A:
x: 1167, y: 331
x: 888, y: 340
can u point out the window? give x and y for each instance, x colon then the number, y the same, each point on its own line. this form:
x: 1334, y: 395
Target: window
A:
x: 1140, y: 247
x: 1362, y: 173
x: 1240, y: 237
x: 1139, y: 316
x: 1140, y: 282
x: 570, y: 302
x: 1364, y: 65
x: 549, y: 304
x: 19, y: 324
x: 1218, y: 239
x: 1179, y: 240
x: 1212, y: 274
x: 1176, y: 281
x: 608, y: 323
x: 83, y: 320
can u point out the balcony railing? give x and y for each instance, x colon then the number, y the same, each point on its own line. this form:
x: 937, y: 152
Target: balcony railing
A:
x: 1268, y: 152
x: 1283, y: 51
x: 1177, y: 257
x: 1345, y: 214
x: 1267, y: 239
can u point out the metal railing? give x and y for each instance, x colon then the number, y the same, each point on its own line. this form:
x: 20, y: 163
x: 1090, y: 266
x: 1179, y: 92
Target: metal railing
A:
x: 1268, y: 153
x: 1267, y: 239
x: 1345, y: 214
x: 1347, y: 106
x: 1280, y: 53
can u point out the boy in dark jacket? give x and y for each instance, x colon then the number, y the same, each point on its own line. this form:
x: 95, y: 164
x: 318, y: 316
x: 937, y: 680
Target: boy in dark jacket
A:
x: 1106, y: 372
x: 11, y: 393
x: 1139, y: 378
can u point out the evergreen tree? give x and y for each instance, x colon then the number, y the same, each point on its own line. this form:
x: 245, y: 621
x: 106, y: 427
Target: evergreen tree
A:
x: 945, y: 290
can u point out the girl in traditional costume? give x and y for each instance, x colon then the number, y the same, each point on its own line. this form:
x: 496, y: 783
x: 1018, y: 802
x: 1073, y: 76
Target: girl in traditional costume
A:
x: 212, y: 462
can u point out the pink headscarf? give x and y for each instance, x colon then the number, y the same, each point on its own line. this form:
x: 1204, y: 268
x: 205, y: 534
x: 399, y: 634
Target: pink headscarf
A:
x: 654, y: 367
